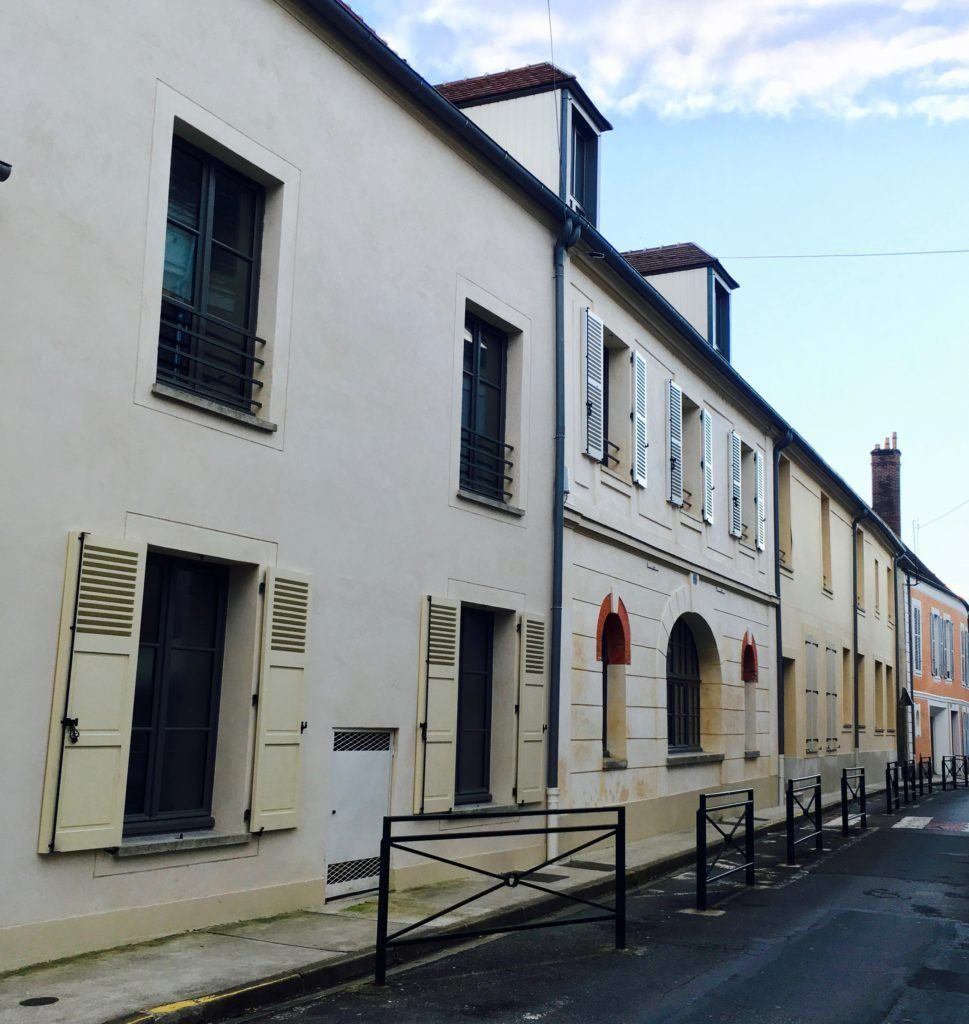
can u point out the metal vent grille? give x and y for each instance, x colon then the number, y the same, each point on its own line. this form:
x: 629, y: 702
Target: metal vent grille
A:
x: 351, y: 870
x: 442, y: 638
x: 106, y: 591
x: 358, y: 739
x: 291, y: 599
x: 534, y: 646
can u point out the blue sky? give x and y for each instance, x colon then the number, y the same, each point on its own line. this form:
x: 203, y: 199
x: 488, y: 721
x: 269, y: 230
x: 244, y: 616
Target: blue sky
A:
x: 773, y: 127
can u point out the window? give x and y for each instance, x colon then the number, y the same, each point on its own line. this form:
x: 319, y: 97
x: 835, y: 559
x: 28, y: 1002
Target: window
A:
x: 860, y: 567
x: 880, y: 710
x: 831, y: 697
x: 862, y: 691
x: 947, y: 648
x: 890, y: 594
x: 811, y: 694
x: 613, y: 642
x: 890, y: 702
x: 473, y: 778
x: 826, y: 543
x: 682, y: 689
x: 785, y: 538
x: 964, y: 653
x: 177, y: 690
x: 934, y: 644
x: 721, y: 319
x: 584, y: 184
x: 748, y: 494
x: 917, y: 637
x: 847, y: 690
x: 692, y: 457
x: 485, y: 457
x: 748, y: 674
x: 878, y: 591
x: 206, y: 339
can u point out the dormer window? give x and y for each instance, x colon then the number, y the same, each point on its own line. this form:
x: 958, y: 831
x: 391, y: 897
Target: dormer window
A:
x: 721, y: 318
x: 584, y: 178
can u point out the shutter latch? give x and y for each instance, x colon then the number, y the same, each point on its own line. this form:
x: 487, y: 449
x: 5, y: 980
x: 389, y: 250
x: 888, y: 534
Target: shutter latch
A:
x: 302, y: 727
x: 70, y: 724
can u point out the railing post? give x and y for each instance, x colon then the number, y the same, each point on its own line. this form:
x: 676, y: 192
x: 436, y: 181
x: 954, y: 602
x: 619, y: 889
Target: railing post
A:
x: 701, y: 854
x: 844, y: 801
x: 864, y: 801
x: 791, y: 852
x: 818, y: 827
x: 749, y: 829
x: 944, y: 787
x: 621, y: 879
x: 383, y: 900
x: 888, y: 788
x: 931, y: 775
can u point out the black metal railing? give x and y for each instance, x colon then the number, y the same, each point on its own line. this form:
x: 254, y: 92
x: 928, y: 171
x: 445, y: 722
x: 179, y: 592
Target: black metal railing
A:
x: 892, y: 799
x: 853, y: 796
x: 909, y: 782
x: 614, y: 829
x: 803, y: 809
x: 926, y: 774
x: 954, y: 768
x: 729, y: 842
x: 485, y: 465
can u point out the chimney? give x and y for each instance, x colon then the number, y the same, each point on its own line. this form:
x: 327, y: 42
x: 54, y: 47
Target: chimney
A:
x: 886, y: 485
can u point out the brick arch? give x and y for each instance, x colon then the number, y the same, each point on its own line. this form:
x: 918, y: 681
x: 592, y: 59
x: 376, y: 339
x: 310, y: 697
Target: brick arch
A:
x: 748, y: 659
x: 613, y: 626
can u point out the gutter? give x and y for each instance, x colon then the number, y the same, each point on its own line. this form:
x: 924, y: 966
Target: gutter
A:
x: 779, y: 446
x: 863, y: 514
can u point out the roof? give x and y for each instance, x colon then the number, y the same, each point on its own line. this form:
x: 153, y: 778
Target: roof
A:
x: 524, y: 81
x: 665, y: 259
x: 925, y: 575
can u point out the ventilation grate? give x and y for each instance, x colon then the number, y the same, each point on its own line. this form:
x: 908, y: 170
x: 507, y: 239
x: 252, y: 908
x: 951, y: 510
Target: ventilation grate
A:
x: 351, y: 870
x: 534, y: 646
x: 106, y: 591
x: 360, y: 739
x: 291, y: 599
x: 442, y: 637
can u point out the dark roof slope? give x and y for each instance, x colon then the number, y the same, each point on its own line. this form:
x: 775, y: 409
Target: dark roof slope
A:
x: 926, y: 575
x: 533, y: 78
x: 665, y: 259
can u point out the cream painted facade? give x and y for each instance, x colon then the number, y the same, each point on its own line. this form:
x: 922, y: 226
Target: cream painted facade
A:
x: 816, y: 540
x: 349, y: 478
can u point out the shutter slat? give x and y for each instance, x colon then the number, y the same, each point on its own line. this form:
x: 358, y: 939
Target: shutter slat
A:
x: 675, y: 417
x: 708, y: 483
x: 640, y: 443
x: 736, y: 497
x: 594, y: 337
x: 532, y: 700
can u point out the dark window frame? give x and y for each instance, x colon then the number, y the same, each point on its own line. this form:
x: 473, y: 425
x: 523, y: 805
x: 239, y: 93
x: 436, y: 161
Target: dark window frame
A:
x: 683, y: 683
x: 185, y: 333
x: 152, y: 821
x: 486, y: 464
x: 481, y: 792
x: 585, y: 148
x: 721, y: 314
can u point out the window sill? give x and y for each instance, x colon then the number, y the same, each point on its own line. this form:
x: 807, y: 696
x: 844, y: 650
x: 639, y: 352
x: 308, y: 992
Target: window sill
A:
x: 695, y: 757
x: 226, y: 411
x: 173, y: 842
x: 751, y: 755
x: 498, y: 506
x: 691, y: 521
x: 460, y: 810
x: 614, y: 764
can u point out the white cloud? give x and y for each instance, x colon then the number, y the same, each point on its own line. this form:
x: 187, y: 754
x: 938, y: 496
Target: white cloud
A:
x: 686, y: 58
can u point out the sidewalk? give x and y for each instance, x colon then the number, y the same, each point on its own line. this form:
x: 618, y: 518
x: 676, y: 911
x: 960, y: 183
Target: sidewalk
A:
x: 218, y: 973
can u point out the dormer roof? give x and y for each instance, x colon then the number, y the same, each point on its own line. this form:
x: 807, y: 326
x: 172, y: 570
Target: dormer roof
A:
x: 524, y: 81
x: 665, y: 259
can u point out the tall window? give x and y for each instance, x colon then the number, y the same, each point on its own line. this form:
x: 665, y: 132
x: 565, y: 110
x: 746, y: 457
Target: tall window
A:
x: 173, y: 734
x: 721, y: 320
x: 826, y: 581
x: 613, y: 643
x: 785, y: 532
x: 473, y: 778
x: 485, y: 457
x: 917, y: 638
x: 682, y: 689
x: 206, y: 341
x: 585, y: 159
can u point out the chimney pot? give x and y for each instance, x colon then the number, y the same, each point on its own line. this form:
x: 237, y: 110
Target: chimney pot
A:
x: 894, y: 439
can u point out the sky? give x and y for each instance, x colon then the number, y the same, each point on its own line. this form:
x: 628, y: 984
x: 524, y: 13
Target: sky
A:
x: 783, y: 128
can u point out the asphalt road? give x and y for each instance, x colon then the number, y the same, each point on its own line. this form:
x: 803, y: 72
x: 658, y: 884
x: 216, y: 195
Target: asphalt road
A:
x: 875, y: 930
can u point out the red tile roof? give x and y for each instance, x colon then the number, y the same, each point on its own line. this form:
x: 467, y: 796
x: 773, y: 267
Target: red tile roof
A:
x: 664, y: 259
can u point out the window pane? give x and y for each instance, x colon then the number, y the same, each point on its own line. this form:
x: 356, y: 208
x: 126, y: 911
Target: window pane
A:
x: 145, y: 687
x: 492, y: 351
x: 233, y: 215
x: 179, y: 279
x: 189, y: 689
x: 194, y: 606
x: 228, y: 296
x: 134, y: 797
x: 185, y: 188
x: 488, y: 418
x: 183, y: 771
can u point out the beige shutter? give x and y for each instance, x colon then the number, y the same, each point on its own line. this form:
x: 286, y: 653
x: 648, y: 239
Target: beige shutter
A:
x: 276, y: 776
x: 707, y: 465
x: 674, y: 396
x: 594, y: 333
x: 736, y: 482
x: 438, y: 706
x: 94, y: 687
x: 831, y: 696
x: 811, y: 695
x: 640, y: 442
x: 532, y: 688
x: 760, y: 501
x: 917, y: 638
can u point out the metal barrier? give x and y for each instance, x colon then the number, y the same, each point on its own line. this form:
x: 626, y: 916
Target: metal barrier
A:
x: 963, y: 764
x: 616, y: 829
x: 949, y: 771
x: 908, y: 780
x: 809, y: 812
x: 705, y: 872
x: 891, y: 787
x: 853, y: 795
x: 925, y: 774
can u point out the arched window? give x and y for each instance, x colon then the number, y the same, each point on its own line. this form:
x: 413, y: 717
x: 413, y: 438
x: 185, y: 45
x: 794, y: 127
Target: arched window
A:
x: 613, y: 650
x: 748, y: 675
x: 683, y: 688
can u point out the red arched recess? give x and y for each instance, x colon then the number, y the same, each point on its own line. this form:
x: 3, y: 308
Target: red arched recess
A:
x: 748, y: 659
x: 612, y: 634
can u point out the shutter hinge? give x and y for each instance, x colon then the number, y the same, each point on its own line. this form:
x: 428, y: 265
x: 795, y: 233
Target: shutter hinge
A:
x: 262, y: 587
x: 247, y: 815
x: 514, y: 791
x: 423, y: 732
x: 255, y: 700
x: 516, y: 709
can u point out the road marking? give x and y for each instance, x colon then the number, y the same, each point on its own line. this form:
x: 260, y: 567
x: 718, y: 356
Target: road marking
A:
x: 912, y: 821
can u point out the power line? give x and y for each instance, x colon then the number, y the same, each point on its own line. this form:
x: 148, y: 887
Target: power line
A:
x: 922, y: 526
x: 850, y: 255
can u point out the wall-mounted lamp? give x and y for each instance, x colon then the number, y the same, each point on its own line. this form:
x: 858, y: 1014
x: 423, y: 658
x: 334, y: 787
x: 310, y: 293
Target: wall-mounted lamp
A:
x: 5, y: 170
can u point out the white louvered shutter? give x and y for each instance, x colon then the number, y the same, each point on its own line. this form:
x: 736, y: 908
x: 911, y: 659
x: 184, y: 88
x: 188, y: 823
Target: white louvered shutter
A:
x: 934, y: 642
x: 708, y: 484
x: 276, y: 771
x: 594, y: 335
x: 532, y: 699
x: 640, y: 444
x: 811, y: 694
x: 760, y: 502
x: 736, y: 496
x: 831, y: 696
x: 90, y: 730
x: 917, y: 637
x: 675, y: 416
x: 949, y: 648
x: 437, y: 706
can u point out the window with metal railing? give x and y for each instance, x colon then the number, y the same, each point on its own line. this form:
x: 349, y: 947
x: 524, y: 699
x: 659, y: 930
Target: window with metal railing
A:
x: 682, y: 689
x: 486, y: 462
x: 206, y: 341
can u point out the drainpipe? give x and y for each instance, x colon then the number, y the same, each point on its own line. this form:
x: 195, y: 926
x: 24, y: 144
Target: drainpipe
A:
x: 779, y: 446
x: 863, y: 514
x: 899, y: 647
x: 911, y: 651
x: 568, y: 236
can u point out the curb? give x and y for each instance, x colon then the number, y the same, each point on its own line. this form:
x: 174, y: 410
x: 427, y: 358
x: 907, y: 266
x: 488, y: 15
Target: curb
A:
x: 318, y: 977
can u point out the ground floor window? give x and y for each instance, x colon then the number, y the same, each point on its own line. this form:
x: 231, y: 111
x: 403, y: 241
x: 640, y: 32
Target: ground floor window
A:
x: 683, y: 689
x: 176, y: 707
x: 473, y: 776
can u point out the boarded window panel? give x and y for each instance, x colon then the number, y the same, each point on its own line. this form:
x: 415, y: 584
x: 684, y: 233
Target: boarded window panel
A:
x: 831, y: 696
x: 532, y: 700
x: 736, y: 482
x: 277, y: 774
x: 437, y: 706
x: 675, y: 417
x: 90, y: 732
x: 640, y: 441
x: 708, y: 484
x: 811, y: 695
x: 594, y: 337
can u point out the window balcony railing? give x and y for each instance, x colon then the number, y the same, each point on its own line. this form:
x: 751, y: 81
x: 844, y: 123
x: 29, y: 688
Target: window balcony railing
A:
x: 485, y: 465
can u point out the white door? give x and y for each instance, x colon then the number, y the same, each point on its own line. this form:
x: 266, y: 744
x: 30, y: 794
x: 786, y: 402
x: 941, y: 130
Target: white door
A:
x: 941, y: 737
x: 360, y: 775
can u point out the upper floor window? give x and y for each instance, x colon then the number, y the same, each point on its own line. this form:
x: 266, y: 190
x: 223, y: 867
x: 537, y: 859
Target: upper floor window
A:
x: 785, y: 538
x: 485, y: 457
x: 206, y: 340
x: 721, y: 319
x: 583, y: 182
x: 826, y: 580
x: 682, y: 688
x: 917, y: 638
